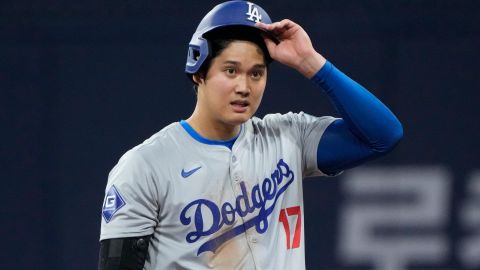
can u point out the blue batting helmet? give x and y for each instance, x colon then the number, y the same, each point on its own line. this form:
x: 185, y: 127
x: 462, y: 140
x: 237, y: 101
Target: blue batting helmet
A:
x: 231, y: 13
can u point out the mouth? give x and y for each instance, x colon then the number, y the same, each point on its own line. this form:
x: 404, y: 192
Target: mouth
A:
x: 240, y: 106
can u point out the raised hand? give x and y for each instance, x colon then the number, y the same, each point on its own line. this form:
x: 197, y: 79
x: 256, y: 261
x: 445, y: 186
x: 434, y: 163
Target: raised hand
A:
x: 294, y: 49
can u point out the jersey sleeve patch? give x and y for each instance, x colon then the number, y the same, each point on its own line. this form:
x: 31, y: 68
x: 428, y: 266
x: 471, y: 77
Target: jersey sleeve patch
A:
x: 112, y: 203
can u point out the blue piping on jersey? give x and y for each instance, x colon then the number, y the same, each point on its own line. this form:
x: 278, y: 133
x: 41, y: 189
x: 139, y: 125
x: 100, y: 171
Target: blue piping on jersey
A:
x: 200, y: 138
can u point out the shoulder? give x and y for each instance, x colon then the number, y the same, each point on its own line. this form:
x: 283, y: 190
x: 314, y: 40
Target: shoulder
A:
x: 295, y: 126
x: 161, y: 139
x: 154, y: 149
x: 275, y: 125
x: 274, y: 119
x: 289, y: 119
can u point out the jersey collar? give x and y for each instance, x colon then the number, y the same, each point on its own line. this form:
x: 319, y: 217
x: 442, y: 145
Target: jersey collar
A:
x: 227, y: 143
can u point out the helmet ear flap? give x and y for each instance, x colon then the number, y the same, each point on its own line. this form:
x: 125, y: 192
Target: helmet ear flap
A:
x: 193, y: 53
x: 198, y: 51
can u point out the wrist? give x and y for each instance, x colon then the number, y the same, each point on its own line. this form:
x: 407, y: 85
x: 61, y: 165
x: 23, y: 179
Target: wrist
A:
x: 310, y: 65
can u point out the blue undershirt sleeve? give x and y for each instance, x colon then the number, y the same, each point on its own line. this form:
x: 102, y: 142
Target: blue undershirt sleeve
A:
x: 367, y: 129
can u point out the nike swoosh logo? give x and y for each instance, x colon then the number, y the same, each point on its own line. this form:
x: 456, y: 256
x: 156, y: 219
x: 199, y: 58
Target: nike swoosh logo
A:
x: 186, y: 174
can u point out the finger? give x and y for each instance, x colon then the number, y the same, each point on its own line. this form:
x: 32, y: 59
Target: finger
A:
x: 262, y: 25
x: 268, y: 28
x: 271, y: 26
x: 284, y: 24
x: 271, y: 45
x: 279, y: 28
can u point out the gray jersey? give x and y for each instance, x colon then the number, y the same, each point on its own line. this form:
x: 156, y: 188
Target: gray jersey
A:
x: 211, y: 207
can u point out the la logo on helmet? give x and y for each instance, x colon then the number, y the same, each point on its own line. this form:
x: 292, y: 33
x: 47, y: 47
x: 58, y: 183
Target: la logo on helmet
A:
x: 253, y: 13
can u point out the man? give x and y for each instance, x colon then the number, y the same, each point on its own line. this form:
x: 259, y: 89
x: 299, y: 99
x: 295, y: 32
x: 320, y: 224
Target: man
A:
x: 223, y: 189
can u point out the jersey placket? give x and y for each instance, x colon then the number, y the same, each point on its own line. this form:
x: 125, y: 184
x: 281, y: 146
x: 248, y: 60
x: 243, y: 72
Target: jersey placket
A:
x: 236, y: 178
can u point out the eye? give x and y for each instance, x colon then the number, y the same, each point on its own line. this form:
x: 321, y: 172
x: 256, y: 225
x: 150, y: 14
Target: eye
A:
x: 230, y: 71
x: 257, y: 74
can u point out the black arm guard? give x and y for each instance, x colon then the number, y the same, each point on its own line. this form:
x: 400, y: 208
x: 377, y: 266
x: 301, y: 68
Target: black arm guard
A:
x: 123, y: 253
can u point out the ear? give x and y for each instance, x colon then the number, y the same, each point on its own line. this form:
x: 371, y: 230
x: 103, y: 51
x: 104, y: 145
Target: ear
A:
x: 198, y: 78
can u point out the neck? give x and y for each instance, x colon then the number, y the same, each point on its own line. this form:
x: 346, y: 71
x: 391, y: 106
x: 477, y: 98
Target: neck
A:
x: 212, y: 129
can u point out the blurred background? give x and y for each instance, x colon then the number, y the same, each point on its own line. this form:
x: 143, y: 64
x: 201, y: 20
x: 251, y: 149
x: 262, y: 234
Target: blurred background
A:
x: 83, y: 81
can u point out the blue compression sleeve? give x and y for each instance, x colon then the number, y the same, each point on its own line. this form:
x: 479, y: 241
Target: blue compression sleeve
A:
x: 367, y: 129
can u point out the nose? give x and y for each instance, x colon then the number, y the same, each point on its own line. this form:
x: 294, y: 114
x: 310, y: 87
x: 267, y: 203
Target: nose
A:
x: 243, y: 86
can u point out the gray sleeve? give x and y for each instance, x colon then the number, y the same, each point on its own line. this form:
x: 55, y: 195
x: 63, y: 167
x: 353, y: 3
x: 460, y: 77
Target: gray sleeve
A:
x: 130, y: 207
x: 307, y: 131
x: 312, y: 129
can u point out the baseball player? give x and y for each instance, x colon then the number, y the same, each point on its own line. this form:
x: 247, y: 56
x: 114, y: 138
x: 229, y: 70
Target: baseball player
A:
x: 223, y: 189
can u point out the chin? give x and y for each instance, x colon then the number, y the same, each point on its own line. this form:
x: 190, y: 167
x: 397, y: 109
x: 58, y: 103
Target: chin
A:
x: 239, y: 119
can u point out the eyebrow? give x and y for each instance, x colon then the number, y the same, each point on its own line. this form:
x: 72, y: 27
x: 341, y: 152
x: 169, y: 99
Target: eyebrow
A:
x: 238, y: 63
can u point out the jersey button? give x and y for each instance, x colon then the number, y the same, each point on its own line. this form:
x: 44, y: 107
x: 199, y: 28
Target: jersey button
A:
x: 253, y: 239
x: 234, y: 158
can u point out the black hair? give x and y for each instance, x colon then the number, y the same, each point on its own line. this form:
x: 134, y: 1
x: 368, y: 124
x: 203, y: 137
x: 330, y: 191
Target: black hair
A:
x: 220, y: 38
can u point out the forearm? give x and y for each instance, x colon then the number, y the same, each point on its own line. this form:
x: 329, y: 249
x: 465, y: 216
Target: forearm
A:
x: 365, y: 115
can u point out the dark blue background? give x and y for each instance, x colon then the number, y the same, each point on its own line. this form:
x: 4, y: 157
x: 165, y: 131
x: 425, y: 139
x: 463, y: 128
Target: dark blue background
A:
x: 84, y: 81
